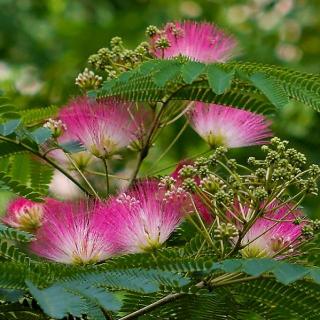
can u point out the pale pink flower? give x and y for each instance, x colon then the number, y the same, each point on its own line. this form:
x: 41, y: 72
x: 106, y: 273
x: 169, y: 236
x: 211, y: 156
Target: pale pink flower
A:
x: 73, y: 234
x: 275, y: 234
x: 24, y: 214
x: 141, y: 219
x: 104, y: 127
x: 203, y: 42
x: 230, y: 127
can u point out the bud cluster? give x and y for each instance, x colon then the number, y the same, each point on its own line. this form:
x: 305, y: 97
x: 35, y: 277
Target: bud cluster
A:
x: 117, y: 58
x: 88, y: 80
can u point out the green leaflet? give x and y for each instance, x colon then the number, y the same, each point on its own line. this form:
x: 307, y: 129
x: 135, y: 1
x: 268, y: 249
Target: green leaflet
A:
x: 41, y: 135
x: 72, y: 146
x: 7, y: 110
x: 271, y: 88
x: 191, y: 70
x: 9, y: 127
x: 168, y: 71
x: 67, y: 295
x: 219, y: 79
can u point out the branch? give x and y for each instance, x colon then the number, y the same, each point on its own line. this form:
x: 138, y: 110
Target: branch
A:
x: 156, y: 122
x: 174, y: 296
x: 152, y: 306
x: 161, y: 302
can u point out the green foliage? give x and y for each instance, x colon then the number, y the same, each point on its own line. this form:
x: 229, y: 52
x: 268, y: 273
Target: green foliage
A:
x: 14, y: 234
x: 41, y: 135
x: 271, y: 88
x: 72, y: 147
x: 38, y: 115
x: 272, y: 300
x: 9, y: 127
x: 19, y: 311
x: 7, y: 149
x: 7, y: 110
x: 218, y: 79
x: 192, y: 280
x: 40, y: 177
x: 19, y: 188
x: 73, y: 298
x: 248, y: 86
x: 191, y: 71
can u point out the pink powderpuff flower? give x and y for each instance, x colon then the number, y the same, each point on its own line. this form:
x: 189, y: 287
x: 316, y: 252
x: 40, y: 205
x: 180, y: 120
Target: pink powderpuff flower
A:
x: 104, y: 127
x: 275, y: 234
x: 202, y: 42
x: 230, y: 127
x: 141, y: 219
x: 24, y: 214
x: 72, y: 234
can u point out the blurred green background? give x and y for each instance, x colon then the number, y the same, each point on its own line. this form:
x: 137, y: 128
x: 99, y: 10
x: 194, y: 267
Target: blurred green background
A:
x: 45, y: 44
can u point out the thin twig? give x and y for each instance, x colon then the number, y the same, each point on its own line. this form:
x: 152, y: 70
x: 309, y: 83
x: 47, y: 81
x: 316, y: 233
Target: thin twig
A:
x: 83, y: 176
x: 104, y: 160
x: 49, y: 161
x: 170, y: 145
x: 113, y: 176
x: 152, y: 306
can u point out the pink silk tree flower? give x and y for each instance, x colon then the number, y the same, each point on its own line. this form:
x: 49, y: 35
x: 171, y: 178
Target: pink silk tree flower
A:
x: 72, y: 234
x: 202, y: 42
x: 24, y: 214
x: 275, y: 234
x: 141, y: 219
x: 104, y: 127
x: 230, y: 127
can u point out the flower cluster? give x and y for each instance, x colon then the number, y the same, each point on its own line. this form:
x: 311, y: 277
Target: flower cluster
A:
x: 251, y: 213
x: 252, y: 210
x: 82, y: 232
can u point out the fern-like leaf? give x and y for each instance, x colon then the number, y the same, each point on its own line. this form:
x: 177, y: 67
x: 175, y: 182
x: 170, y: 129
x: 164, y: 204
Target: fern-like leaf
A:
x: 19, y: 188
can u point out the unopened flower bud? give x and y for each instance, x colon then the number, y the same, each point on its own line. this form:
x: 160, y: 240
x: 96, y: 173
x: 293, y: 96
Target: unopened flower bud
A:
x: 225, y: 231
x: 152, y: 31
x: 167, y: 182
x: 189, y: 184
x: 57, y: 127
x: 116, y: 41
x: 162, y: 43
